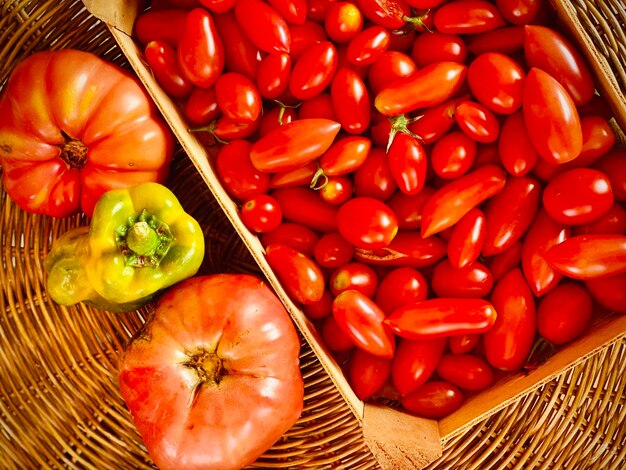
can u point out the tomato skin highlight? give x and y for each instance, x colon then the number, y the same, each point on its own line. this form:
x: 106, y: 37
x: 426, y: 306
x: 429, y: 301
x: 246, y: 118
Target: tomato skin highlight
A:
x: 467, y: 17
x: 427, y: 87
x: 450, y: 203
x: 363, y: 322
x: 367, y: 373
x: 442, y: 317
x: 407, y: 249
x: 408, y: 163
x: 163, y: 61
x: 589, y: 256
x: 466, y: 239
x: 509, y: 342
x: 263, y: 25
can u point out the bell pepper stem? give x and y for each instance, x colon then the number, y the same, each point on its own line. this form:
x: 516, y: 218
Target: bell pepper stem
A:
x: 144, y: 240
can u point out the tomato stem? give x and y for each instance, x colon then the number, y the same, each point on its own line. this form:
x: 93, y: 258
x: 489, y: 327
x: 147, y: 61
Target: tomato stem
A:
x: 314, y: 181
x: 400, y: 124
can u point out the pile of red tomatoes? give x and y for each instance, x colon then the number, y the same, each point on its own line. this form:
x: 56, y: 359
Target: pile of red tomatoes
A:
x: 436, y: 183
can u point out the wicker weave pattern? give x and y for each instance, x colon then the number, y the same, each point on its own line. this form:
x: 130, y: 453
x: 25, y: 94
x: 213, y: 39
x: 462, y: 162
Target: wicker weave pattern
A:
x: 605, y: 22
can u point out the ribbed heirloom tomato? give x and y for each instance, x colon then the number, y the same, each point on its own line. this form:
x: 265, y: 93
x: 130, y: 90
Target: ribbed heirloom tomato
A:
x: 62, y: 144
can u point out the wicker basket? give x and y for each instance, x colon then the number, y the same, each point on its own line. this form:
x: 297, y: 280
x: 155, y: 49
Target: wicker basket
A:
x: 59, y: 401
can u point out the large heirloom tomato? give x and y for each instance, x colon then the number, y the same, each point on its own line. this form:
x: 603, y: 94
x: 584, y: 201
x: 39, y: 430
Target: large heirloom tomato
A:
x: 213, y: 378
x: 73, y: 127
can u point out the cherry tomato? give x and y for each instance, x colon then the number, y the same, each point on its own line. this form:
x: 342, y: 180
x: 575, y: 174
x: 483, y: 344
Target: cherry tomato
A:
x: 477, y: 121
x: 466, y: 239
x: 367, y: 373
x: 427, y: 87
x: 467, y: 17
x: 367, y: 223
x: 238, y: 97
x: 564, y: 313
x: 275, y: 117
x: 504, y: 261
x: 613, y: 165
x: 589, y: 256
x: 163, y: 62
x: 263, y: 25
x: 509, y: 342
x: 390, y: 66
x: 241, y: 55
x: 304, y: 206
x: 333, y: 251
x: 166, y: 25
x: 301, y: 277
x: 408, y: 207
x: 362, y: 321
x: 497, y: 82
x: 519, y: 12
x: 201, y: 106
x: 218, y: 6
x: 408, y: 248
x: 293, y: 11
x: 473, y: 281
x: 351, y: 101
x: 354, y: 276
x: 236, y: 172
x: 443, y: 317
x: 297, y: 236
x: 509, y: 213
x: 438, y: 47
x: 293, y: 145
x: 399, y: 287
x: 609, y: 291
x: 505, y: 40
x: 466, y: 371
x: 320, y: 309
x: 345, y: 155
x: 462, y: 344
x: 373, y: 178
x: 343, y: 21
x: 517, y: 152
x: 273, y: 73
x: 415, y: 362
x: 334, y: 337
x: 305, y: 35
x: 314, y: 70
x: 578, y: 196
x: 434, y: 400
x: 200, y: 49
x: 551, y: 118
x: 408, y: 163
x: 337, y: 190
x: 453, y: 155
x: 368, y: 46
x: 435, y: 122
x: 548, y: 50
x: 450, y: 203
x: 320, y: 106
x: 613, y: 221
x: 261, y: 213
x: 301, y: 176
x: 543, y: 233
